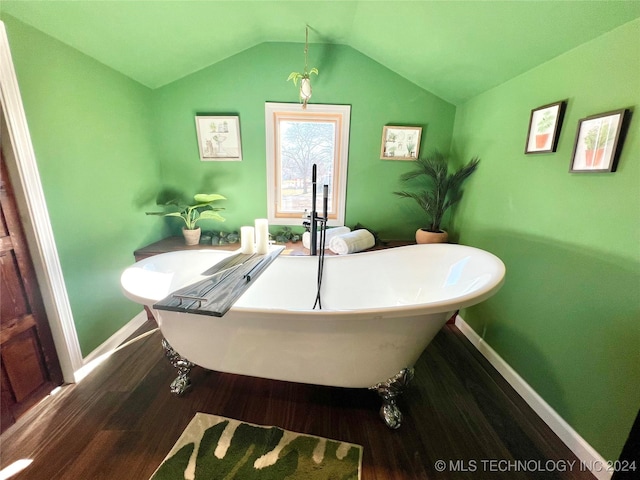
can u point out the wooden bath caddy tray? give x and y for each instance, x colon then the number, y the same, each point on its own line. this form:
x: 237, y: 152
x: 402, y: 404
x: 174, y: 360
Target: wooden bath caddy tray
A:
x: 228, y: 279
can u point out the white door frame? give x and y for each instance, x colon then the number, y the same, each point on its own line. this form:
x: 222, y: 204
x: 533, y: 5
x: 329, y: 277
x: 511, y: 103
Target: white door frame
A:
x: 25, y: 177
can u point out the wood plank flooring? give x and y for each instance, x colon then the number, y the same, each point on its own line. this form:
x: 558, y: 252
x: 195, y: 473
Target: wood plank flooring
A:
x: 121, y: 420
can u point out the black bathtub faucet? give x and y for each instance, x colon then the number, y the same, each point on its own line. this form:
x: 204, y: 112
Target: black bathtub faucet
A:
x: 312, y: 221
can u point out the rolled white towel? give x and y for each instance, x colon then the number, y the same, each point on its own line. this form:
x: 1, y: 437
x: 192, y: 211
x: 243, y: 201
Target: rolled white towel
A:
x: 353, y: 242
x: 331, y: 232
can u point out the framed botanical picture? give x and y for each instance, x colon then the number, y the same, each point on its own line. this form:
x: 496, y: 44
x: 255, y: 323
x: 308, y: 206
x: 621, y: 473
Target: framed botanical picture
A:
x: 400, y: 143
x: 219, y: 138
x: 598, y: 142
x: 544, y: 128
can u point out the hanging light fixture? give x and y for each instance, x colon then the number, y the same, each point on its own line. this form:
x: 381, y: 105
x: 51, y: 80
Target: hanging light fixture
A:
x: 304, y: 77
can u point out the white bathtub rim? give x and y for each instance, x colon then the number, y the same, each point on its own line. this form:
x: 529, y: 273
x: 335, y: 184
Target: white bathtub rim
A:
x: 445, y: 305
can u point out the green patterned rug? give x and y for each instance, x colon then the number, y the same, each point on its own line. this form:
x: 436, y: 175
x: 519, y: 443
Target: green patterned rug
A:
x: 218, y: 448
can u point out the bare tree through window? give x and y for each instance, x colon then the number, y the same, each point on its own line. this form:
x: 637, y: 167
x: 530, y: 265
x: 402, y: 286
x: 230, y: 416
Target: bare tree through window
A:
x: 302, y: 145
x: 296, y: 140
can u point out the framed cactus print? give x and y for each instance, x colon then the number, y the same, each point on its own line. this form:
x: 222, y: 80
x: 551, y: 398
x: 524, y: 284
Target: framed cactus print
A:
x: 544, y: 128
x: 598, y: 142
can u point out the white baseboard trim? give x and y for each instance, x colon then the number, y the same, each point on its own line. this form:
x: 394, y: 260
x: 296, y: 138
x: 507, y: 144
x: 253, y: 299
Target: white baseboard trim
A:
x: 590, y: 458
x: 108, y: 346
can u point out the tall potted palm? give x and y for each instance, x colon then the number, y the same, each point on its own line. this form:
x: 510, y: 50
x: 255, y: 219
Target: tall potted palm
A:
x: 438, y: 189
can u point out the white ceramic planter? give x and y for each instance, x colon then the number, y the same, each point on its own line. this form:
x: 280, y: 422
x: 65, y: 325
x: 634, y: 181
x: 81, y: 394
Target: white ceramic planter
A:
x: 191, y: 237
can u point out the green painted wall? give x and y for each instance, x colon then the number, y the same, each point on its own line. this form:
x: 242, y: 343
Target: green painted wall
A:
x: 243, y: 83
x: 91, y: 135
x: 105, y: 145
x: 567, y: 317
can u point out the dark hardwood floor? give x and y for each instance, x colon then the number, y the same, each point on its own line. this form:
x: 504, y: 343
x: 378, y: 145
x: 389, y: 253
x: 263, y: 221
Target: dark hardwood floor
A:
x: 120, y: 421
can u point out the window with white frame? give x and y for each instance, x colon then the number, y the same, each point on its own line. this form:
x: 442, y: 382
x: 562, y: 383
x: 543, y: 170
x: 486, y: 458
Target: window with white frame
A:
x: 296, y: 140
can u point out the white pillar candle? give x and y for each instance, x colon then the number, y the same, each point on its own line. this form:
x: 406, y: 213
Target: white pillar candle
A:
x: 247, y: 240
x: 262, y: 236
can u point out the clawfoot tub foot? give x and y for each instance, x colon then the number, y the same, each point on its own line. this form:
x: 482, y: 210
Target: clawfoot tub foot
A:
x: 184, y: 366
x: 389, y: 391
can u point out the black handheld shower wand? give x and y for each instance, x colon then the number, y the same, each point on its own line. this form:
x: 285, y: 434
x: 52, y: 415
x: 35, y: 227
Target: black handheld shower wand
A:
x: 314, y: 214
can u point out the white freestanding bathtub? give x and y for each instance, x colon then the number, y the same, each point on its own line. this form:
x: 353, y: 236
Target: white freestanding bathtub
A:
x: 380, y: 310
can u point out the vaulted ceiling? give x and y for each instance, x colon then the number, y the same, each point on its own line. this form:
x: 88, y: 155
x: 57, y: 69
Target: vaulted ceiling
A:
x: 455, y: 49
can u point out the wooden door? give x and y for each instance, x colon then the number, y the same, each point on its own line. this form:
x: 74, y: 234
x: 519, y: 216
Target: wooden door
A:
x: 28, y: 360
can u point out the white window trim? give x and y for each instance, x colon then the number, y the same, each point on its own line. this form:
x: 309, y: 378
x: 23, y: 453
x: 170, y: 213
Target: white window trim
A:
x: 271, y: 111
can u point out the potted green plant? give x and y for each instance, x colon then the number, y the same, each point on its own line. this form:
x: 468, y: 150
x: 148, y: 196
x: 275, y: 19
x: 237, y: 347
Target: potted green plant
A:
x: 305, y: 83
x: 191, y: 213
x: 595, y: 141
x: 543, y: 129
x: 439, y: 190
x: 304, y: 77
